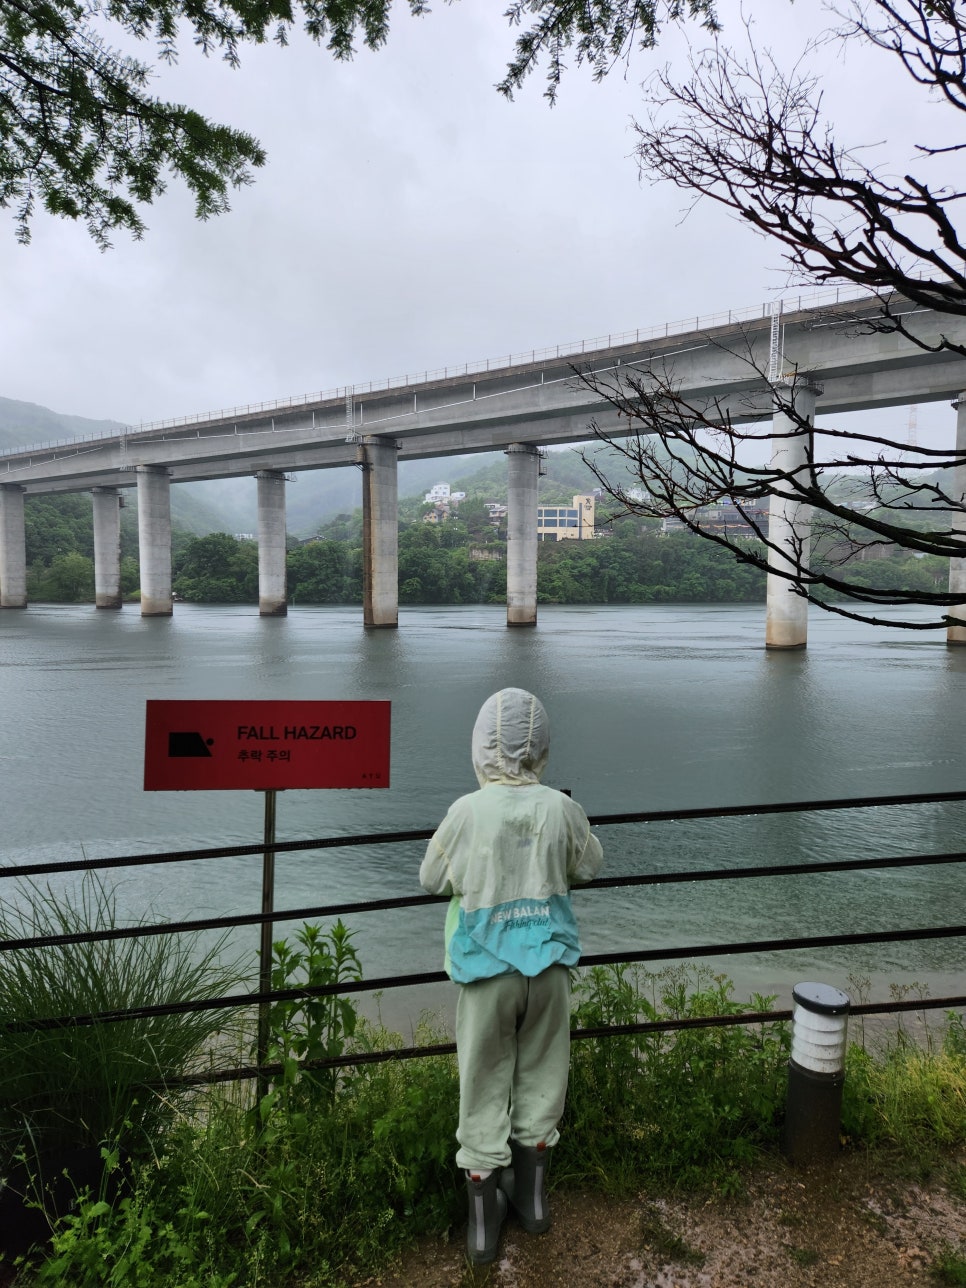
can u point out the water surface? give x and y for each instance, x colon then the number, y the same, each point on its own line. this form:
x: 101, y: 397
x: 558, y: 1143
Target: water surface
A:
x: 651, y: 707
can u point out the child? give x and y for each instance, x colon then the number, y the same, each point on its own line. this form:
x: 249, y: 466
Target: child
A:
x: 508, y: 855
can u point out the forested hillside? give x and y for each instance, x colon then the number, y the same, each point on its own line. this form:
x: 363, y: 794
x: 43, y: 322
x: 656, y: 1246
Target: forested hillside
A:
x: 444, y: 564
x: 24, y: 424
x: 60, y: 534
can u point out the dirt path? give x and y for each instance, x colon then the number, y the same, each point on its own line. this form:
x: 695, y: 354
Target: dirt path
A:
x: 860, y: 1225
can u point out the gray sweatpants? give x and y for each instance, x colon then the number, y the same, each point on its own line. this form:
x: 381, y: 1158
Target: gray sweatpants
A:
x: 513, y: 1046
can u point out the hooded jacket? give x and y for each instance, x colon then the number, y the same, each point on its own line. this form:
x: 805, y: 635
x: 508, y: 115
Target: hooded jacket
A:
x: 509, y: 852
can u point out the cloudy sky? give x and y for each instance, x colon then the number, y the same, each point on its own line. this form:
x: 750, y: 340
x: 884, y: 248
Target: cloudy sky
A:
x: 408, y: 218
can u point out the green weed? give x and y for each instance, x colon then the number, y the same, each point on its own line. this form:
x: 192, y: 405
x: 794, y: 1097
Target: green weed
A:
x: 905, y: 1094
x: 131, y: 1244
x: 685, y: 1108
x: 669, y: 1246
x: 957, y: 1181
x: 313, y: 1027
x: 803, y: 1256
x: 949, y: 1267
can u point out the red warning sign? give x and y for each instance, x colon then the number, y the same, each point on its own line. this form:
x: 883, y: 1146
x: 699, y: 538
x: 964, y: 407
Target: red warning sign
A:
x: 264, y: 746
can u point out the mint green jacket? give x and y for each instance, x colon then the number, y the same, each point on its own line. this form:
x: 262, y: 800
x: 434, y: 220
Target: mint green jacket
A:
x: 509, y: 853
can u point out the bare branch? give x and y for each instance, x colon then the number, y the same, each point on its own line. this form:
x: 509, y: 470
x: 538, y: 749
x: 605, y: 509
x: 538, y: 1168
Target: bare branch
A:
x: 740, y: 131
x: 687, y: 458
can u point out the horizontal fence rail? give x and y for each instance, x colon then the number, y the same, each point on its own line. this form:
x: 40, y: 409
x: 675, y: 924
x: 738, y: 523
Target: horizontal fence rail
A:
x: 252, y: 1000
x: 237, y: 1001
x: 423, y: 834
x: 361, y: 1058
x: 329, y: 910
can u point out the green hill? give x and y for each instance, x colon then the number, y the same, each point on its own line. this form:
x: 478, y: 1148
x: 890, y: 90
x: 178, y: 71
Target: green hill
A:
x: 24, y: 424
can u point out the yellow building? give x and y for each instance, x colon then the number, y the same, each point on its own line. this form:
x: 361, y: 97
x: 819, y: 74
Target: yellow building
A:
x: 567, y: 522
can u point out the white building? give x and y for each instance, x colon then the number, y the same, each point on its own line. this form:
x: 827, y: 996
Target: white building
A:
x: 440, y: 494
x: 442, y: 500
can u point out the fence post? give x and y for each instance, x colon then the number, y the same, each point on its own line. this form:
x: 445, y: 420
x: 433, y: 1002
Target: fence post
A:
x: 265, y: 941
x: 816, y: 1073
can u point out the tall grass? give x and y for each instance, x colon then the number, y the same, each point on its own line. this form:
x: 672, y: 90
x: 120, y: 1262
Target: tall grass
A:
x: 82, y: 1085
x: 279, y: 1196
x: 908, y: 1092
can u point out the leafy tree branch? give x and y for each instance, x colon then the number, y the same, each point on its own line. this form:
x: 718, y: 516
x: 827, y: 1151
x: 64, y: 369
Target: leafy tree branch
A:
x: 82, y: 135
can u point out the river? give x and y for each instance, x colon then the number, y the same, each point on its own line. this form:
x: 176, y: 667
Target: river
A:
x: 651, y: 707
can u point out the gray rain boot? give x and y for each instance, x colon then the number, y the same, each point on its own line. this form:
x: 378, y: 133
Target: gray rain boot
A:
x: 525, y: 1185
x: 487, y: 1206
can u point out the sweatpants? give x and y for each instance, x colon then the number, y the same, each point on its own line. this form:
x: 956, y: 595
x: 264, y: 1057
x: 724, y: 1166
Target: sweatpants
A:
x: 513, y: 1047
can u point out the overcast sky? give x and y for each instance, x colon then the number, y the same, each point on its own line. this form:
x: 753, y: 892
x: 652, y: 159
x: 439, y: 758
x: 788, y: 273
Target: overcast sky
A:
x: 408, y: 218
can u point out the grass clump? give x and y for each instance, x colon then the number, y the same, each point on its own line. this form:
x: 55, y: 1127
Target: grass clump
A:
x: 906, y: 1093
x: 669, y: 1246
x: 76, y: 1085
x: 957, y: 1181
x: 804, y: 1256
x: 949, y: 1268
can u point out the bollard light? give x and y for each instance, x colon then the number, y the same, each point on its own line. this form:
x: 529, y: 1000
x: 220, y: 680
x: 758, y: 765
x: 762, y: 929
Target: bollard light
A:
x: 816, y: 1073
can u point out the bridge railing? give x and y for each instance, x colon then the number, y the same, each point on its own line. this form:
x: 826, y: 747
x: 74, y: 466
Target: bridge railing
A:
x: 571, y: 350
x: 249, y: 1001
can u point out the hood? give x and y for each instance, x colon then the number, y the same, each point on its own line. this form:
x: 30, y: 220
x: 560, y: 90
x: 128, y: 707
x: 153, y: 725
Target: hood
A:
x: 511, y: 739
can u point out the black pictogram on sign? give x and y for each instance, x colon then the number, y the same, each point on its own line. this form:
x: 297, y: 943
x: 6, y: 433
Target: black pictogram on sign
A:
x: 188, y: 744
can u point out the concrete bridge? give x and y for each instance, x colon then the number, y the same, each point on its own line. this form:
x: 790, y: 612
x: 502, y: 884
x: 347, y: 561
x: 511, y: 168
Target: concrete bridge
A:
x: 517, y: 404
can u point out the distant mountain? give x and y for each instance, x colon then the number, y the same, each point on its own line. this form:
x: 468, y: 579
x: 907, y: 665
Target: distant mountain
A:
x: 24, y: 424
x: 319, y: 495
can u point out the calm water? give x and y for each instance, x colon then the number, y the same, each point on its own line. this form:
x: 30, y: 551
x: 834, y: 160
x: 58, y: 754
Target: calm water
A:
x: 650, y: 708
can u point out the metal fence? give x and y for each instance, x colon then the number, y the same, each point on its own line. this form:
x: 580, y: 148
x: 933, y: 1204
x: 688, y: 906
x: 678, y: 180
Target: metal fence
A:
x: 251, y: 1000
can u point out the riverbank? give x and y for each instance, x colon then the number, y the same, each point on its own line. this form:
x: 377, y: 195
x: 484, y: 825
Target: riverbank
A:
x: 865, y: 1222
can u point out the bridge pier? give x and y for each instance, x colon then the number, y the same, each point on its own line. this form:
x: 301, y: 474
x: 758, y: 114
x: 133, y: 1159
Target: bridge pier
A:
x: 380, y: 531
x: 957, y: 567
x: 272, y: 584
x: 107, y: 547
x: 154, y: 539
x: 523, y: 473
x: 789, y: 524
x: 13, y: 547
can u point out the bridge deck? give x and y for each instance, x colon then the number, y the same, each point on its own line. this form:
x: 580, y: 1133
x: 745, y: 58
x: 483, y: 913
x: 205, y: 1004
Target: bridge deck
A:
x: 533, y: 398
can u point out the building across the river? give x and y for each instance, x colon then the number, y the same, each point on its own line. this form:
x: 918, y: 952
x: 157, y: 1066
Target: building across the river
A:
x: 573, y: 522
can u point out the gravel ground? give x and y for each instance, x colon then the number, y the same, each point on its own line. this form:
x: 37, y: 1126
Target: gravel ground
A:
x: 860, y: 1224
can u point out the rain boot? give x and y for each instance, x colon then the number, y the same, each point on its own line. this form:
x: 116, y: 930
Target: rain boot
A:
x: 525, y: 1185
x: 487, y: 1206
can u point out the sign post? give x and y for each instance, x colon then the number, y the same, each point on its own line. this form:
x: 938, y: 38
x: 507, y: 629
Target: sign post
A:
x: 267, y: 747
